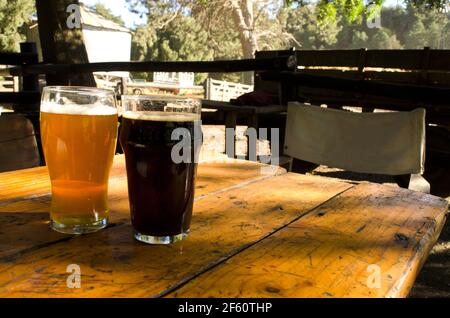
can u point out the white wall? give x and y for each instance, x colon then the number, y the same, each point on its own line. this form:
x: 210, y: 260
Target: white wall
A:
x: 107, y: 46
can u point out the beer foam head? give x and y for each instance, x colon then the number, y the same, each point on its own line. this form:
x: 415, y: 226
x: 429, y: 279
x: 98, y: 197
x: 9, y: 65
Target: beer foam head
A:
x: 77, y: 109
x: 161, y: 116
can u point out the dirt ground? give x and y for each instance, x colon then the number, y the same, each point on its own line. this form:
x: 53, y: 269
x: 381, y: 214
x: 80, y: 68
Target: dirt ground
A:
x: 434, y: 278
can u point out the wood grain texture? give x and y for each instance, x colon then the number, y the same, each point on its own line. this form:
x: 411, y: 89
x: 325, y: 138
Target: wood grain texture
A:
x: 25, y: 199
x: 252, y: 235
x: 224, y: 223
x: 18, y: 147
x: 26, y: 184
x: 327, y: 252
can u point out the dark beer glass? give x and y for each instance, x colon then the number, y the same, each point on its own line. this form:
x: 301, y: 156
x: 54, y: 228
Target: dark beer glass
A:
x: 161, y: 139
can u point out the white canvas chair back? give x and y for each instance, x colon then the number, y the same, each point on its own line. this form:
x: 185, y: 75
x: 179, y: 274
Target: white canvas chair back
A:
x: 391, y: 143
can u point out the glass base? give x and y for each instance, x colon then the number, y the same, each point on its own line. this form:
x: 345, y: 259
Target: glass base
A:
x: 149, y: 239
x: 79, y: 228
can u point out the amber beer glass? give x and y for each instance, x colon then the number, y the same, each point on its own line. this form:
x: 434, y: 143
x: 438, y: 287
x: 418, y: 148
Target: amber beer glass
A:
x: 79, y: 134
x: 161, y: 139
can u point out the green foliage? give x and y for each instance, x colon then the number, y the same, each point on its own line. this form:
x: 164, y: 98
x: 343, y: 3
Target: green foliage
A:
x: 428, y: 4
x: 205, y: 30
x: 106, y: 13
x: 13, y: 14
x: 182, y: 39
x: 409, y: 27
x: 427, y: 27
x: 309, y: 29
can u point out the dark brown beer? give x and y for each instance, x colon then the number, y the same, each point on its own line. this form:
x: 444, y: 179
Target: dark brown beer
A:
x: 161, y: 192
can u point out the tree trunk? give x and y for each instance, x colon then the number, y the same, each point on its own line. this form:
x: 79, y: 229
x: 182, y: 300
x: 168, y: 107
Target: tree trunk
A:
x: 60, y: 43
x: 244, y: 20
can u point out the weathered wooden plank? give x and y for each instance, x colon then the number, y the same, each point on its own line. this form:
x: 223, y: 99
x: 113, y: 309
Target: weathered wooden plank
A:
x: 401, y: 59
x: 433, y: 78
x: 439, y: 60
x: 396, y: 59
x: 227, y: 106
x: 347, y: 58
x: 30, y: 183
x: 328, y: 252
x: 436, y: 114
x: 413, y: 93
x: 222, y: 66
x: 114, y: 264
x: 31, y: 98
x: 15, y: 58
x: 25, y: 199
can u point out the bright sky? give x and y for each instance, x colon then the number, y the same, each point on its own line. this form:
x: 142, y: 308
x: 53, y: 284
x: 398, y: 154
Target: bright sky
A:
x: 120, y: 8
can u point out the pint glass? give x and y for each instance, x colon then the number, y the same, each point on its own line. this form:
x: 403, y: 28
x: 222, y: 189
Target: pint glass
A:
x: 79, y: 133
x: 161, y: 139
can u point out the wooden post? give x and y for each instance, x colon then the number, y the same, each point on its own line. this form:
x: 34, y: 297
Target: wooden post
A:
x: 425, y: 62
x: 30, y: 83
x: 123, y: 85
x: 208, y: 88
x: 252, y: 122
x: 62, y: 43
x: 361, y: 76
x: 288, y: 90
x: 230, y: 122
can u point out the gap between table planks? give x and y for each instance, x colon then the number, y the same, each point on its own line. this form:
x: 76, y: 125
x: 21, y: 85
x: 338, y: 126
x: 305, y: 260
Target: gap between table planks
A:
x: 225, y: 222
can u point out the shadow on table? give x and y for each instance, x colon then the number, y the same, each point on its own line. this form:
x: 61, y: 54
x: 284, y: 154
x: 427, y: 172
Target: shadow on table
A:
x: 434, y: 278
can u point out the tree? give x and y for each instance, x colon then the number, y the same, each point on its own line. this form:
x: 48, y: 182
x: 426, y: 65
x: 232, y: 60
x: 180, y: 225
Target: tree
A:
x: 416, y: 27
x: 236, y: 28
x: 181, y: 39
x: 106, y: 13
x: 13, y: 14
x: 247, y: 15
x: 244, y: 19
x: 165, y: 31
x: 309, y: 31
x: 428, y: 4
x: 61, y: 43
x: 426, y: 27
x: 383, y: 38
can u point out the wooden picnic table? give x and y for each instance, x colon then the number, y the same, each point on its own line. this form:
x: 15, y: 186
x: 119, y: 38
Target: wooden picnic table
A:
x: 254, y: 233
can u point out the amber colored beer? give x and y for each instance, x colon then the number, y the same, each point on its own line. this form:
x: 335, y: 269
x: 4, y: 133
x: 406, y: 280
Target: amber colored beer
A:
x: 79, y: 148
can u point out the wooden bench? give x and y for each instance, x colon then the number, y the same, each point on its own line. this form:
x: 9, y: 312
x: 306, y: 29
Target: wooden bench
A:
x: 18, y: 146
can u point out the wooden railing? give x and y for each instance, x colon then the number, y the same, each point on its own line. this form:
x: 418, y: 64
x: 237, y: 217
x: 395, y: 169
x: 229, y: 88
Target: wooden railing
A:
x: 26, y: 102
x: 28, y: 97
x: 225, y: 66
x: 224, y: 91
x: 383, y: 79
x: 29, y: 72
x: 386, y: 79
